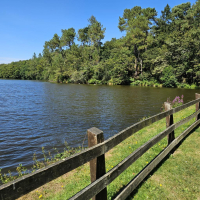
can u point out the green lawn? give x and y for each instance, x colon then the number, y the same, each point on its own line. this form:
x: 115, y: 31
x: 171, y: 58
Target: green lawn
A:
x: 177, y: 177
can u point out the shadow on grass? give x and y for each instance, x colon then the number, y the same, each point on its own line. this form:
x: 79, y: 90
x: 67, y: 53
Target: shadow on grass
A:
x: 154, y: 170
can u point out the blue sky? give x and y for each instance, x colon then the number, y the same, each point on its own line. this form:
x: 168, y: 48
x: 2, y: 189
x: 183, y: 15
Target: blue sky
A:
x: 26, y: 25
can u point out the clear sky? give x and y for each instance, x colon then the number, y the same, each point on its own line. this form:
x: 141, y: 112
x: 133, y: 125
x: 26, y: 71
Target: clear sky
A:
x: 25, y: 25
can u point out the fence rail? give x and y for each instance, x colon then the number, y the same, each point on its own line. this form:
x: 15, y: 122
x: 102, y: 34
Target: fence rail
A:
x: 27, y: 183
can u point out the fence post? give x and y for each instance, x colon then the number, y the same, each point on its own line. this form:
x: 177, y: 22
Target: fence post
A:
x: 197, y: 96
x: 97, y: 165
x: 169, y: 122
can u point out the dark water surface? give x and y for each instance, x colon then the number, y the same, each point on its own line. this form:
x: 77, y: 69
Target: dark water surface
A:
x: 37, y: 114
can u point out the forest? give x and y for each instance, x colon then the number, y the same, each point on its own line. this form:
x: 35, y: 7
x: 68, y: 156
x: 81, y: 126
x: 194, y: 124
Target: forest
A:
x: 157, y: 50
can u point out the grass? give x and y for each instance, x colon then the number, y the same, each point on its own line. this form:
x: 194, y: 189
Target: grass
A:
x: 176, y: 177
x: 157, y: 84
x: 38, y: 164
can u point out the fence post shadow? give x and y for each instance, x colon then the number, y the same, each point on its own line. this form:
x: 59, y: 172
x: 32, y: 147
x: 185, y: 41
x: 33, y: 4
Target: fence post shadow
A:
x: 134, y: 192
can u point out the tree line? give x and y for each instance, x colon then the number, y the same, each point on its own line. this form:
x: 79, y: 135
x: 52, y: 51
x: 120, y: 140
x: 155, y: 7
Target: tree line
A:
x: 163, y: 49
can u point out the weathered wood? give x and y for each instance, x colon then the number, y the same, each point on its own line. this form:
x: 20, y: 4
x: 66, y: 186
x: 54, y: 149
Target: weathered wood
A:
x: 34, y: 180
x: 97, y: 165
x: 146, y: 171
x: 121, y: 136
x: 93, y: 189
x: 187, y: 119
x: 184, y: 106
x: 27, y: 183
x: 169, y: 122
x: 197, y: 96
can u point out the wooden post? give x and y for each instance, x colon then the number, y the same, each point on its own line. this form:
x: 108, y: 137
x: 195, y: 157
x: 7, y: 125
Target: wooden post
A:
x: 97, y: 165
x: 197, y: 96
x: 169, y: 122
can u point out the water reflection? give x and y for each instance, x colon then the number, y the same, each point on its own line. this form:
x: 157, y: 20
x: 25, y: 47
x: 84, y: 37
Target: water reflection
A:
x: 35, y: 114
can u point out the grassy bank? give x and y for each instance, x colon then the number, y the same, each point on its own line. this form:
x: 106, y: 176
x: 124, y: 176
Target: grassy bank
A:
x: 157, y: 84
x: 177, y: 177
x: 49, y: 157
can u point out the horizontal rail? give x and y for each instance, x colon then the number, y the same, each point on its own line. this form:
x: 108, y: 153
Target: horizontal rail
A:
x: 94, y: 188
x: 146, y: 171
x: 184, y: 106
x: 27, y: 183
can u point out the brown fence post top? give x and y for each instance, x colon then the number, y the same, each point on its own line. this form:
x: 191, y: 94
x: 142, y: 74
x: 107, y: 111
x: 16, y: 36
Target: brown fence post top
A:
x: 95, y: 130
x: 95, y: 136
x: 197, y: 95
x: 167, y: 106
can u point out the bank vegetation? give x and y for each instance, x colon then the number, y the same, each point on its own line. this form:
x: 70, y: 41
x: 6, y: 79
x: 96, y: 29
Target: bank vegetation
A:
x: 162, y: 50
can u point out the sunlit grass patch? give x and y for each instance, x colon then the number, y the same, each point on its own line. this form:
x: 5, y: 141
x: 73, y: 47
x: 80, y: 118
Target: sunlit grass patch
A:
x: 176, y: 177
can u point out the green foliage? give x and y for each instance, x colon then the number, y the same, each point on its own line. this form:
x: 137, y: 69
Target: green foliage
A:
x: 94, y: 81
x: 151, y: 44
x: 5, y: 178
x: 68, y: 37
x: 168, y: 77
x: 138, y: 82
x: 83, y: 35
x: 179, y: 170
x: 48, y: 159
x: 95, y: 31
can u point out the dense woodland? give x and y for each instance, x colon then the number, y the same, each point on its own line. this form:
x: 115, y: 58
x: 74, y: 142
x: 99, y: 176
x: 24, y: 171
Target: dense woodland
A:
x: 163, y: 49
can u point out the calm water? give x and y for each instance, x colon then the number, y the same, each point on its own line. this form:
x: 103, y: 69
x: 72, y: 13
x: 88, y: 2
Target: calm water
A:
x: 37, y: 114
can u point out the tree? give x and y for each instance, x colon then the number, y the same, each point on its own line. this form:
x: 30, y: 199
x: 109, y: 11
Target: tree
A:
x: 67, y: 38
x: 58, y: 67
x: 137, y: 23
x: 178, y: 54
x: 47, y: 52
x: 39, y: 55
x: 95, y: 32
x: 55, y: 42
x: 119, y: 65
x: 108, y: 46
x: 83, y: 36
x: 34, y: 56
x: 163, y: 26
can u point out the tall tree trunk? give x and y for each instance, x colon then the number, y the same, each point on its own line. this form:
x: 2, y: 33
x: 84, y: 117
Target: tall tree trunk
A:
x: 135, y: 67
x: 141, y: 64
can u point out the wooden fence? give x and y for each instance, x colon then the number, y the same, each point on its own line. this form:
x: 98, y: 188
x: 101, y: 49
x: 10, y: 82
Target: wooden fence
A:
x: 96, y: 155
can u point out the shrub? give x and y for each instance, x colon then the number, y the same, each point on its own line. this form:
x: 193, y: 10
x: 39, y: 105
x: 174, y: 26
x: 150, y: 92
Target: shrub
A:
x: 94, y: 81
x: 168, y: 78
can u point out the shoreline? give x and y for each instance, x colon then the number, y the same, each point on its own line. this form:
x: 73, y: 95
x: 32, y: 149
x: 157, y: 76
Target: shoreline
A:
x: 136, y: 83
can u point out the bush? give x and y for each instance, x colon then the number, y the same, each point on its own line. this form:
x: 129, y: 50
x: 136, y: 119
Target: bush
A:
x: 168, y: 78
x: 193, y: 86
x: 138, y: 82
x: 187, y: 86
x: 78, y: 77
x: 94, y: 81
x: 145, y: 76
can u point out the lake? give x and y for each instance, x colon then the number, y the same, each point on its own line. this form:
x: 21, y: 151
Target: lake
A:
x: 36, y: 114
